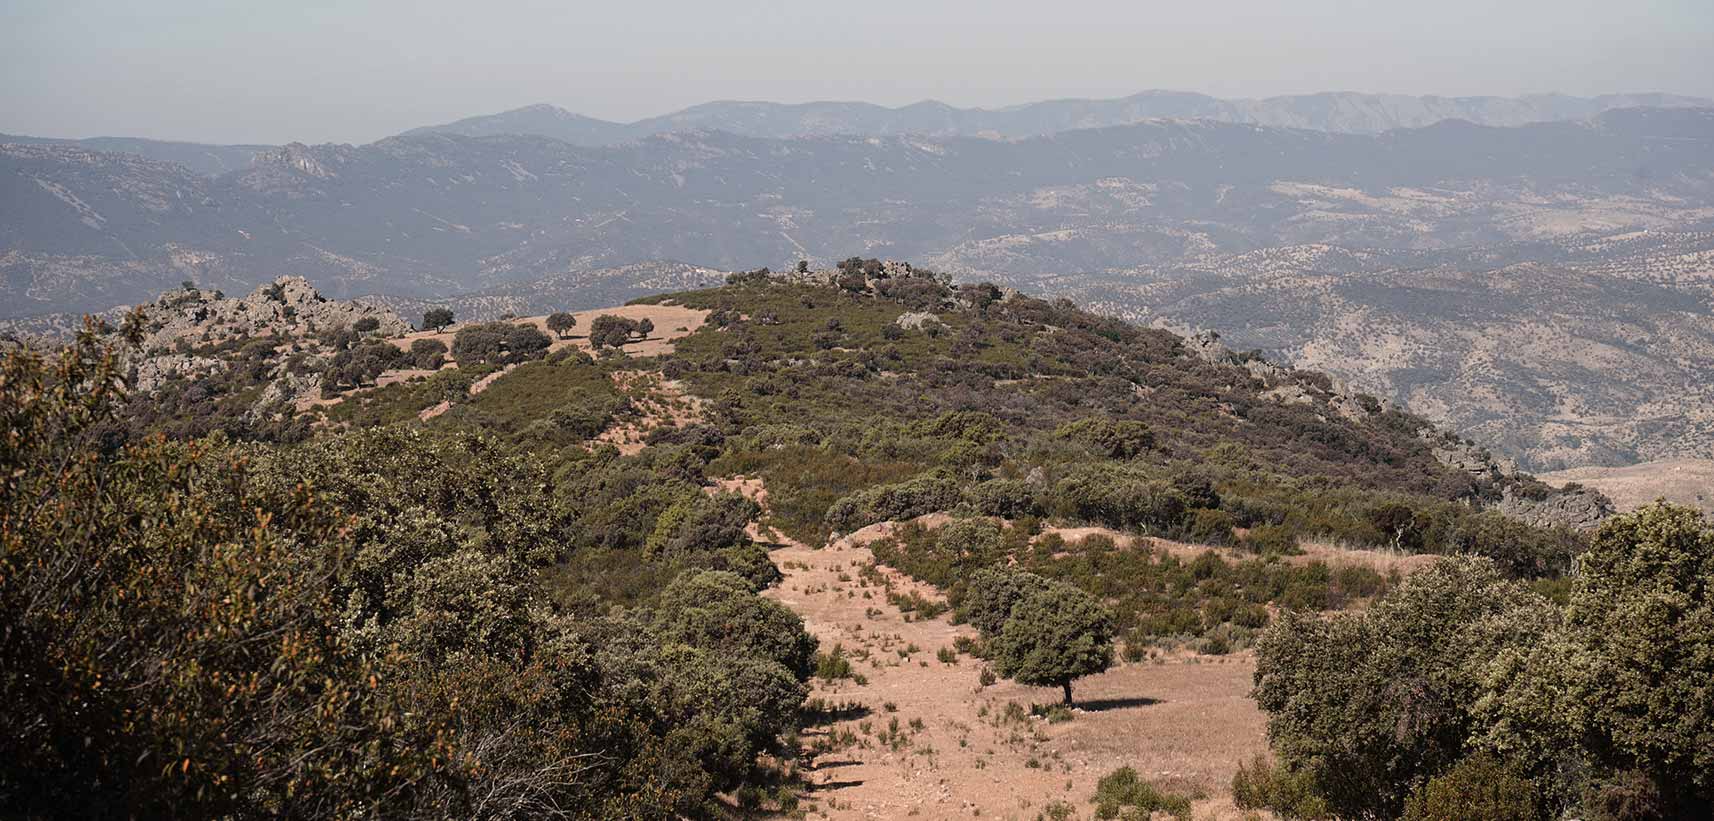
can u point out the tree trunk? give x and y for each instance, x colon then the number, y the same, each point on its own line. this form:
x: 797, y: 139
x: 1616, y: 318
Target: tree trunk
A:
x: 1067, y: 686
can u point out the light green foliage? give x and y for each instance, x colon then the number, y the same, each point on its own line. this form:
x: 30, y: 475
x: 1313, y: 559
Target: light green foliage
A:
x: 1054, y: 637
x: 1642, y: 612
x: 1123, y: 794
x: 1262, y: 785
x: 1478, y: 788
x: 1624, y: 684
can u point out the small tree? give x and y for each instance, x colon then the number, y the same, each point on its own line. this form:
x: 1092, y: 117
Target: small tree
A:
x: 366, y: 325
x: 645, y: 326
x: 428, y: 354
x: 561, y: 322
x: 609, y: 331
x: 436, y: 319
x: 1054, y: 637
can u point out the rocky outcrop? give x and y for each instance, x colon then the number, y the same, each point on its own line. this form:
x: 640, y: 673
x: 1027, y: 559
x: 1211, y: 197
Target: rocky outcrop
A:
x: 1582, y: 508
x: 287, y: 307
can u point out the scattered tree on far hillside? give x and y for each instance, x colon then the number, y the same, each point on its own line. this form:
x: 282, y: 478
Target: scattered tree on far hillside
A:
x: 499, y: 343
x: 428, y: 354
x: 436, y: 319
x: 609, y: 331
x: 1054, y: 637
x: 561, y: 322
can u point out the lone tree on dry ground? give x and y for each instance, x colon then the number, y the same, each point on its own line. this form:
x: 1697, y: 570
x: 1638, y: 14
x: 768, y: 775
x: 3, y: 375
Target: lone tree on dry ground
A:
x: 436, y: 319
x: 1050, y: 633
x: 561, y: 322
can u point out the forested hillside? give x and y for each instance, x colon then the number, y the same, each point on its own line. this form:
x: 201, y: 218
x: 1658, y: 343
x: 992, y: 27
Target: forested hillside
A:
x: 522, y: 568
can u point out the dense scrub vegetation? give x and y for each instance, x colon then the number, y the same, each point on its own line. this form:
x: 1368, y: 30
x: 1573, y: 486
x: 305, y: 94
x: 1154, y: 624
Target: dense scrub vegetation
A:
x: 493, y: 613
x: 357, y: 626
x: 1463, y: 694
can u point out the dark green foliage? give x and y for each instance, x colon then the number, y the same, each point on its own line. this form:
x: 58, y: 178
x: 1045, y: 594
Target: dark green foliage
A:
x: 992, y: 593
x: 1125, y: 795
x: 436, y: 319
x: 136, y: 584
x: 609, y: 331
x: 718, y: 611
x: 360, y: 365
x: 366, y: 325
x: 905, y: 500
x: 1369, y: 704
x: 1054, y: 637
x: 1117, y: 440
x: 348, y: 628
x: 498, y: 343
x: 428, y: 354
x: 560, y: 322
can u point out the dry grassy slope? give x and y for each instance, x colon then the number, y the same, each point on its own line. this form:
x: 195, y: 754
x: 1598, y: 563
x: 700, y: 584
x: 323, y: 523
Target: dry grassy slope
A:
x: 1685, y: 481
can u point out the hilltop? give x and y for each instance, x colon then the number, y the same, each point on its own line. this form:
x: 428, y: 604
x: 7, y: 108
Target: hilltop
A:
x: 738, y: 548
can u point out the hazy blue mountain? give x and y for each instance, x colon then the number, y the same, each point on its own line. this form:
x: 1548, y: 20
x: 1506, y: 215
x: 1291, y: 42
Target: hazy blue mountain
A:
x: 202, y: 158
x: 1342, y: 112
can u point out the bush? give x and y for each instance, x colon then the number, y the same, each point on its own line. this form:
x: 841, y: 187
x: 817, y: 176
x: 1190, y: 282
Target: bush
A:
x: 1005, y: 498
x: 1260, y: 785
x: 1124, y: 794
x: 896, y: 502
x: 1210, y: 527
x: 428, y: 354
x: 498, y: 343
x: 1478, y: 788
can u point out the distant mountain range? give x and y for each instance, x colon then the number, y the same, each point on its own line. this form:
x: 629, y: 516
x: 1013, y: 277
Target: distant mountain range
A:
x: 1548, y: 288
x: 1341, y: 112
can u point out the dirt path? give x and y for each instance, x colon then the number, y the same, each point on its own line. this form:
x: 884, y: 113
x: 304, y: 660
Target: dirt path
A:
x: 922, y: 738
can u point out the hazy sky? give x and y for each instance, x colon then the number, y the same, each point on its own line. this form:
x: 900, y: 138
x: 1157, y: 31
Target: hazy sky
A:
x: 355, y: 71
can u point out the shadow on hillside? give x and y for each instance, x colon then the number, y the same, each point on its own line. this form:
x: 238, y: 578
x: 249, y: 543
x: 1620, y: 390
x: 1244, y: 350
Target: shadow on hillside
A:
x: 1101, y: 705
x: 830, y: 715
x: 834, y: 785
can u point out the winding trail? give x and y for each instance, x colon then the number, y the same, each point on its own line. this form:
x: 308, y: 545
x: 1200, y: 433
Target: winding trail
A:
x: 955, y: 750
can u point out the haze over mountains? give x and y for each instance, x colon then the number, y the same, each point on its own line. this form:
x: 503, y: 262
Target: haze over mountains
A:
x: 1343, y: 112
x: 1547, y: 288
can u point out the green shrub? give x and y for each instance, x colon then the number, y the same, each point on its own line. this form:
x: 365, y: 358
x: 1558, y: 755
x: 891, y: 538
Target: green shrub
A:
x: 1124, y: 794
x: 1261, y: 785
x: 1478, y: 788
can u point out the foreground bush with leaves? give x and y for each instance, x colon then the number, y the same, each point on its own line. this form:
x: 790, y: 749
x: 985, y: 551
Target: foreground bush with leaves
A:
x: 349, y: 628
x: 1601, y: 708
